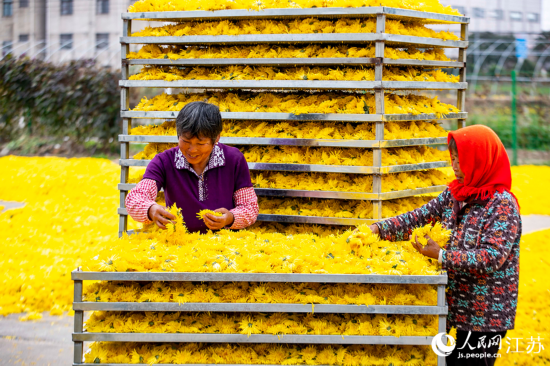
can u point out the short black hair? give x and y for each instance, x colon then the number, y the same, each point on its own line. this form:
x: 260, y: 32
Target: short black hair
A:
x: 199, y: 119
x: 452, y: 145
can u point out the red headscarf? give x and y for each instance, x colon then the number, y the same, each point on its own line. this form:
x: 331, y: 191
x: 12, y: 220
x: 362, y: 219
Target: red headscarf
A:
x: 484, y: 162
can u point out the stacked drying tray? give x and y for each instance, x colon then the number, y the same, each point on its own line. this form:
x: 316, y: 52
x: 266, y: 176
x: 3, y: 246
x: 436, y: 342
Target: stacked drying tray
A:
x: 169, y: 346
x: 376, y: 115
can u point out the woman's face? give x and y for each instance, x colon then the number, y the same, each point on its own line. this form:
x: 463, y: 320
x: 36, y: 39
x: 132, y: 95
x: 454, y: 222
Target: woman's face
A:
x: 456, y: 166
x: 196, y: 150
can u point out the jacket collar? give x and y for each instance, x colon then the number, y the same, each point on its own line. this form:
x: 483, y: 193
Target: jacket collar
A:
x: 217, y: 159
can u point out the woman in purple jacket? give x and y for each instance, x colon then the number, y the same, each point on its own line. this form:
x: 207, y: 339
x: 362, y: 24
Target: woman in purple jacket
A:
x: 200, y: 173
x: 482, y: 255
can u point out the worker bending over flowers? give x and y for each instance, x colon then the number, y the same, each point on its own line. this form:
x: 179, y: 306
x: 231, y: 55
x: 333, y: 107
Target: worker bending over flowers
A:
x: 482, y: 255
x: 199, y: 174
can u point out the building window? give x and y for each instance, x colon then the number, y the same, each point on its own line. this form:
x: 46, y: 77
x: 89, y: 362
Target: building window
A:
x: 66, y: 7
x: 103, y: 6
x: 101, y: 41
x: 6, y: 47
x: 7, y: 8
x: 23, y: 38
x: 23, y: 3
x: 461, y: 9
x: 533, y: 17
x: 516, y: 15
x: 497, y: 14
x: 479, y: 13
x: 66, y: 41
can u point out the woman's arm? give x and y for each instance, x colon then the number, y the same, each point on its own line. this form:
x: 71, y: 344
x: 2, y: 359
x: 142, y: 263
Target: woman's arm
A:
x: 140, y: 199
x: 400, y: 227
x: 246, y: 208
x: 498, y: 236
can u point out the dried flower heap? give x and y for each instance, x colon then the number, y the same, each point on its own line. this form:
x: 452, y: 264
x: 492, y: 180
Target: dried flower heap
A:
x: 173, y: 73
x: 311, y: 130
x: 300, y: 103
x: 294, y: 26
x: 433, y: 6
x: 175, y: 52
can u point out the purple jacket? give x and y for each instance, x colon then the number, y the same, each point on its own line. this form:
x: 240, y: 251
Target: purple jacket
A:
x: 226, y: 173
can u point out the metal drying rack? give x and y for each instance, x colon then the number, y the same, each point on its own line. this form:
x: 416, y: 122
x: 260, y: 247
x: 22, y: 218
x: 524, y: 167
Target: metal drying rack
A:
x: 380, y: 38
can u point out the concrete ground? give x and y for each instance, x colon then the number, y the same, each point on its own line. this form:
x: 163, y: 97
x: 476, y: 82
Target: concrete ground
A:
x: 532, y: 223
x: 9, y: 205
x: 47, y: 342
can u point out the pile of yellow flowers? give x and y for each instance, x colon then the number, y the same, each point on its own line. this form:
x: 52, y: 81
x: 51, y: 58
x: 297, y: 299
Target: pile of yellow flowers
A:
x: 270, y: 292
x: 290, y: 26
x: 337, y: 208
x: 186, y: 5
x: 309, y: 130
x: 175, y: 52
x: 172, y: 73
x: 202, y: 213
x: 347, y: 182
x: 330, y: 130
x: 261, y: 323
x: 436, y: 232
x: 259, y: 354
x: 299, y: 103
x: 69, y: 212
x: 177, y: 250
x: 321, y: 155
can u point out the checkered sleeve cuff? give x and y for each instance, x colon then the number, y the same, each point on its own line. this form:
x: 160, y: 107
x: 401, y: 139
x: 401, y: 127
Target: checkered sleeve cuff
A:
x: 140, y: 199
x: 246, y: 208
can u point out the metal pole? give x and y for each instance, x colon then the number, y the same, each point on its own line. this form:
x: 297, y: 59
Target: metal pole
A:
x: 461, y: 94
x: 126, y: 124
x: 514, y: 121
x: 379, y: 126
x: 442, y: 321
x: 78, y: 322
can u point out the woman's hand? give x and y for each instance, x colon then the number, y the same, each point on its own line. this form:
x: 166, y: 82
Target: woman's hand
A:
x: 431, y: 250
x: 373, y: 228
x: 219, y: 222
x: 160, y: 216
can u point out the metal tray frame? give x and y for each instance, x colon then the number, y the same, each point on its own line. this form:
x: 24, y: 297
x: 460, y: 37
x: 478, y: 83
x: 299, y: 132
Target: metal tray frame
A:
x: 352, y: 38
x: 293, y: 84
x: 329, y: 117
x: 274, y: 192
x: 338, y: 61
x: 79, y: 336
x: 321, y: 168
x: 324, y: 13
x: 294, y: 141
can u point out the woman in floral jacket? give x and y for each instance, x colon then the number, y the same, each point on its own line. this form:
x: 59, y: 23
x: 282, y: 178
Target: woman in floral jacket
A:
x: 482, y: 255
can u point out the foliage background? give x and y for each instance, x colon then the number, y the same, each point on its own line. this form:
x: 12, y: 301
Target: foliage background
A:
x: 77, y: 99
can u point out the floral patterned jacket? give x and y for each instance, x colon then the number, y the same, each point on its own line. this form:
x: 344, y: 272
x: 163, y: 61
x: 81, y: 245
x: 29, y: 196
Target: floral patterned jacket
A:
x: 481, y: 257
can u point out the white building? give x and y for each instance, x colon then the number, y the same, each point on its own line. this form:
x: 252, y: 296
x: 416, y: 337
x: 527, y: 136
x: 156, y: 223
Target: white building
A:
x: 501, y: 16
x: 22, y: 26
x: 64, y: 30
